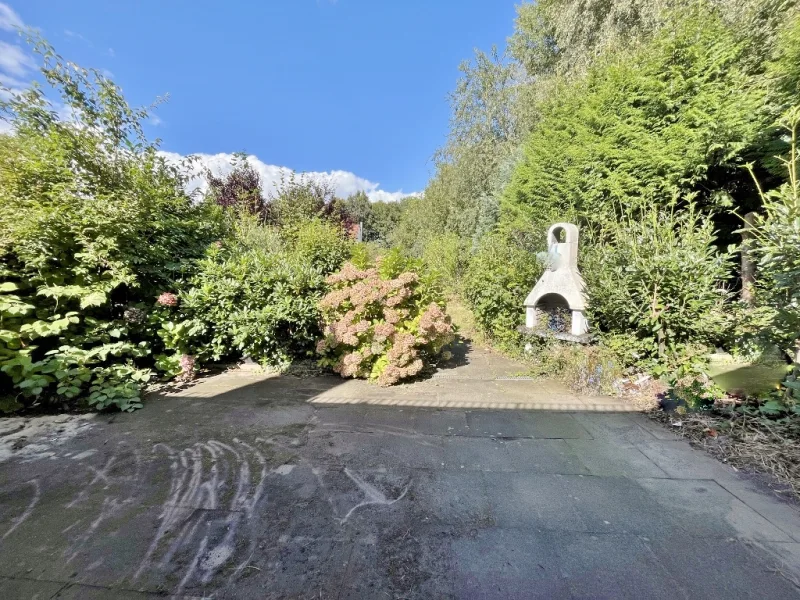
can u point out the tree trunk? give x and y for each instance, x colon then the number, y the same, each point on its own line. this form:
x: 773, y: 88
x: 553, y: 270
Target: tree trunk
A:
x: 748, y: 266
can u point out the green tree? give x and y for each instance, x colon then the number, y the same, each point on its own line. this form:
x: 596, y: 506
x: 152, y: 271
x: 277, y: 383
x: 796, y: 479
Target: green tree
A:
x: 462, y: 197
x: 240, y: 189
x: 382, y: 221
x: 656, y: 279
x: 674, y: 119
x: 298, y: 198
x: 499, y: 276
x: 777, y: 229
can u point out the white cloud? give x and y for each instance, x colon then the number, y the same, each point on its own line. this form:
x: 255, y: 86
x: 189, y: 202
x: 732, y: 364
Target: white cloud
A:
x: 9, y: 20
x: 344, y: 183
x: 14, y: 61
x: 77, y: 36
x: 12, y: 82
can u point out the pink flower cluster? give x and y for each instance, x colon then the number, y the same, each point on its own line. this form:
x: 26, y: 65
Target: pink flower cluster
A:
x: 403, y: 358
x: 435, y: 322
x: 187, y: 363
x: 167, y: 299
x: 374, y: 327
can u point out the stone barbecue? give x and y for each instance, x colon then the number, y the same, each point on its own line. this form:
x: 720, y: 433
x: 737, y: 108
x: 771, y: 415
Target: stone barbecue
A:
x: 558, y: 301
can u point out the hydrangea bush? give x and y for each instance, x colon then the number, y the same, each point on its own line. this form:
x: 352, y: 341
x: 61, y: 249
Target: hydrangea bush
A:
x: 382, y: 329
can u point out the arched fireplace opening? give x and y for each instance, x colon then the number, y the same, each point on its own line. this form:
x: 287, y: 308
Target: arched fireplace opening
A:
x: 554, y: 313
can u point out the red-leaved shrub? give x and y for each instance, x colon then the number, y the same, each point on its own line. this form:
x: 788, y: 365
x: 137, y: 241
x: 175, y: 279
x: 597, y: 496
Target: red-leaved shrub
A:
x: 380, y: 329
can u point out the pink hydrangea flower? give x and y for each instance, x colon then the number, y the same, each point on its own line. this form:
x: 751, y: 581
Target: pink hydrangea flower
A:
x: 367, y: 318
x: 187, y: 363
x: 167, y: 299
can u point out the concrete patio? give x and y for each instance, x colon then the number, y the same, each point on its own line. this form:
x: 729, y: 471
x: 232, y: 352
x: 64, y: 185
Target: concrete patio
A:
x: 475, y: 378
x: 248, y: 486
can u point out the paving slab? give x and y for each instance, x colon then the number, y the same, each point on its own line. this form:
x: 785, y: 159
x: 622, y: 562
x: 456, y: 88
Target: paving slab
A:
x: 456, y: 499
x: 338, y: 418
x: 508, y: 564
x: 441, y: 422
x: 498, y: 424
x: 398, y: 420
x: 588, y: 562
x: 704, y: 508
x: 613, y: 460
x: 476, y: 454
x: 614, y: 428
x: 777, y: 510
x: 545, y: 456
x: 655, y: 428
x: 293, y: 567
x: 91, y: 592
x: 479, y: 380
x: 30, y: 589
x: 612, y: 505
x: 375, y: 449
x: 554, y: 425
x: 533, y: 502
x: 722, y: 568
x: 400, y: 565
x: 785, y: 554
x: 680, y: 461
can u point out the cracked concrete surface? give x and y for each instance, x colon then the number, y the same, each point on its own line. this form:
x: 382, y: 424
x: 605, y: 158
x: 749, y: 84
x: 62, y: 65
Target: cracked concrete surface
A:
x: 244, y: 487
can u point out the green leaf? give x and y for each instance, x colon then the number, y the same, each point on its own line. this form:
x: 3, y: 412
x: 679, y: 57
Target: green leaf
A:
x: 772, y: 407
x: 94, y: 299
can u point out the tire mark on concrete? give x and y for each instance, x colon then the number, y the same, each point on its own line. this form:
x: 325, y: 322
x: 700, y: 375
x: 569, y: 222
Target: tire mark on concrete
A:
x: 37, y: 494
x: 372, y: 495
x: 199, y: 475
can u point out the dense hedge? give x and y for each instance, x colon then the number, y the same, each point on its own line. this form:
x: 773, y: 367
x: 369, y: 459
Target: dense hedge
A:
x: 499, y: 277
x: 253, y: 295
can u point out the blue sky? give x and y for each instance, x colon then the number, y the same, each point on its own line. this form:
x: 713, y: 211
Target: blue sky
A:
x: 313, y: 85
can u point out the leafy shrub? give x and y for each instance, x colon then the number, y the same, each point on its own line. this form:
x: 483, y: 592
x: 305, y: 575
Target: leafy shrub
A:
x: 694, y: 392
x: 748, y: 333
x: 586, y: 369
x: 364, y: 254
x: 394, y: 262
x: 777, y: 231
x: 446, y: 255
x: 251, y: 300
x: 499, y: 277
x: 93, y: 223
x: 319, y: 243
x: 381, y: 327
x: 240, y: 189
x: 298, y: 198
x: 658, y: 281
x: 784, y: 69
x: 64, y: 356
x: 378, y: 219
